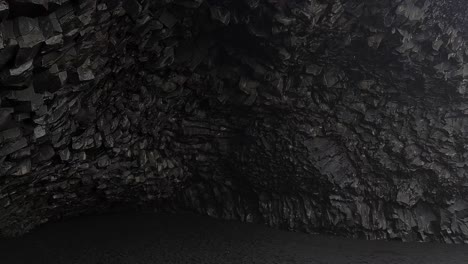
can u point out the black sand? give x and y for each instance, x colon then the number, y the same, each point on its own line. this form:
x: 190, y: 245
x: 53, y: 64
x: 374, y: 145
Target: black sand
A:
x: 162, y: 238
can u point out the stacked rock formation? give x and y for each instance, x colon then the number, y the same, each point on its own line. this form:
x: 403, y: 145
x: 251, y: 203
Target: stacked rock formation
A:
x: 336, y: 116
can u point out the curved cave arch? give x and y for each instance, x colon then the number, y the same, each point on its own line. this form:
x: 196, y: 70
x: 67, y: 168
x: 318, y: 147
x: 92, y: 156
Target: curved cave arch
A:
x: 318, y: 116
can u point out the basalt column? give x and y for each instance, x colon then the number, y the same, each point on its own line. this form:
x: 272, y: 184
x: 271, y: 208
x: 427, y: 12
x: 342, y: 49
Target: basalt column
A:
x: 332, y: 116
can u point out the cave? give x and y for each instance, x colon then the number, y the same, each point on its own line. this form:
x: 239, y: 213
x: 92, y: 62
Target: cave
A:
x: 338, y: 117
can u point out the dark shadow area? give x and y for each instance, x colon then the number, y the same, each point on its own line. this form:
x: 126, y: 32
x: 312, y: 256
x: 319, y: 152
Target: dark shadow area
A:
x: 185, y: 238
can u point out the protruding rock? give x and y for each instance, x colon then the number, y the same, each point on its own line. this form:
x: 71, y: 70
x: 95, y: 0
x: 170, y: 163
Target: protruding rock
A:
x: 65, y: 154
x: 28, y: 32
x: 39, y: 132
x: 23, y: 168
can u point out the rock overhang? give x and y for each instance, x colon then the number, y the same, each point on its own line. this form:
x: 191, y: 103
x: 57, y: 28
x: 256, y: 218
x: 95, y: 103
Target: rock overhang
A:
x: 332, y: 116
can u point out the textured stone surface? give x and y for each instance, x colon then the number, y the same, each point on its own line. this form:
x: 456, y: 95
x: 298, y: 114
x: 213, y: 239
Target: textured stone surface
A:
x: 345, y: 117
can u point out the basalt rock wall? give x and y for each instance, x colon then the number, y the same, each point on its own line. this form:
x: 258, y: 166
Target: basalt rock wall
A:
x: 341, y: 117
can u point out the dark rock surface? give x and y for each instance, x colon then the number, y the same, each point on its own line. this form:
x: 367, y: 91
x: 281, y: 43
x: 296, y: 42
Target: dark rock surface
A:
x: 185, y: 238
x: 342, y: 117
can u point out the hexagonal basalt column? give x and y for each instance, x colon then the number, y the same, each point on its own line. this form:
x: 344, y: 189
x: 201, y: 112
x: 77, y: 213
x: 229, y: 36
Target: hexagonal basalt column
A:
x: 340, y: 117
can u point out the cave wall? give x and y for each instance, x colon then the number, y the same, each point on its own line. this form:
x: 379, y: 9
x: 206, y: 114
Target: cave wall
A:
x: 337, y: 117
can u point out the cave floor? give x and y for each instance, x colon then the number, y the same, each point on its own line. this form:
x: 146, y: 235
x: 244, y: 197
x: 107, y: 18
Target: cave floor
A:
x: 165, y: 238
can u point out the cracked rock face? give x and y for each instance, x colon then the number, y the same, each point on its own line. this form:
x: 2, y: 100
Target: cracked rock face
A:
x: 342, y: 117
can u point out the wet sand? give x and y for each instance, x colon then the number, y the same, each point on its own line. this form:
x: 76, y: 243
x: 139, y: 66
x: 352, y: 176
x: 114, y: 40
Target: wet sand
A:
x: 165, y: 238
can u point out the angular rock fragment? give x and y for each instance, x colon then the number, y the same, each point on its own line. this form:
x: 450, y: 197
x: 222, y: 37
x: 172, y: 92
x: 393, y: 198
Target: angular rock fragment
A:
x: 83, y: 73
x: 39, y: 132
x: 23, y: 168
x: 29, y: 38
x: 104, y: 161
x: 52, y: 31
x: 375, y: 40
x: 65, y: 154
x: 28, y: 32
x: 17, y: 76
x: 13, y: 146
x: 9, y: 134
x: 168, y: 19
